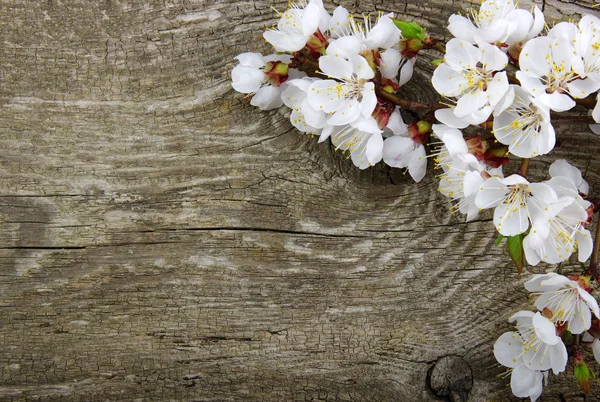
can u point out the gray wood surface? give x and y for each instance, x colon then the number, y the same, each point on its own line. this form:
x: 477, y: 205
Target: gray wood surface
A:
x: 161, y: 239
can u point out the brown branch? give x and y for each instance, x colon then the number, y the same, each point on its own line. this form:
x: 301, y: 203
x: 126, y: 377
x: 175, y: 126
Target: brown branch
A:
x: 407, y: 104
x: 523, y: 168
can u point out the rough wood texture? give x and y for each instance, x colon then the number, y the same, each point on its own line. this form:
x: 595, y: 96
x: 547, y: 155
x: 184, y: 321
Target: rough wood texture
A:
x: 163, y: 240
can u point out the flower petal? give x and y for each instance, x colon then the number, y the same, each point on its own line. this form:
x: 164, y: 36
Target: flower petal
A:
x: 508, y: 349
x: 267, y: 98
x: 557, y: 101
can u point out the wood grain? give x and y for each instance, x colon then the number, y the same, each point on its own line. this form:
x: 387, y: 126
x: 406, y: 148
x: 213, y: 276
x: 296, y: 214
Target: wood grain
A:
x: 161, y: 239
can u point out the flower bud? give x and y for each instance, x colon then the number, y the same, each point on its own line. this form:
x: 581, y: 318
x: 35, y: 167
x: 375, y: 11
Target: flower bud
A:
x: 276, y: 72
x: 382, y: 113
x: 496, y: 155
x: 316, y: 44
x: 410, y: 47
x: 389, y: 85
x: 419, y: 131
x: 582, y: 373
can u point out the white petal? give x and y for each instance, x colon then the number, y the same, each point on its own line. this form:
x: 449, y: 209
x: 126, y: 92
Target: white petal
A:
x: 267, y: 98
x: 337, y: 67
x: 314, y: 118
x: 390, y: 63
x: 396, y: 124
x: 536, y: 57
x: 557, y: 101
x: 531, y: 84
x: 361, y: 67
x: 310, y: 19
x: 406, y: 72
x: 246, y: 79
x: 523, y: 380
x: 462, y: 28
x: 324, y: 95
x: 349, y: 112
x: 581, y: 320
x: 510, y: 220
x: 492, y: 58
x: 535, y: 284
x: 538, y: 23
x: 417, y: 168
x: 374, y: 151
x: 344, y: 46
x: 338, y: 21
x: 447, y: 117
x: 491, y: 193
x: 596, y: 349
x: 590, y: 301
x: 582, y: 88
x: 249, y: 59
x: 396, y: 151
x: 507, y: 349
x: 369, y: 99
x: 558, y: 356
x: 285, y: 41
x: 596, y: 111
x: 585, y: 245
x: 462, y: 54
x: 497, y: 88
x: 447, y: 81
x: 545, y: 329
x: 470, y: 102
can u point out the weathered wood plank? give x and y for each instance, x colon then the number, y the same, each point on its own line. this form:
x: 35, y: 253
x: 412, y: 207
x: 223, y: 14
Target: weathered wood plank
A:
x: 163, y: 240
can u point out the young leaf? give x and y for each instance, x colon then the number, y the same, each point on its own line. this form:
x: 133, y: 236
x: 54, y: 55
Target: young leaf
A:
x: 583, y: 375
x: 498, y: 240
x: 410, y: 30
x: 516, y: 251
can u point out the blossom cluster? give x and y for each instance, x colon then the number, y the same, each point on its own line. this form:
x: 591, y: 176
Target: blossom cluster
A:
x: 350, y: 57
x: 341, y: 77
x: 565, y: 308
x: 553, y: 69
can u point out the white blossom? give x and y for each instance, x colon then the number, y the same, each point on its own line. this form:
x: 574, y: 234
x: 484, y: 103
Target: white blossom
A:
x: 562, y: 168
x: 529, y: 352
x: 401, y: 151
x: 303, y: 116
x: 497, y: 21
x: 359, y: 37
x: 348, y: 98
x: 362, y: 139
x: 587, y: 64
x: 546, y: 68
x: 296, y: 25
x: 517, y: 202
x: 568, y: 302
x: 525, y: 126
x: 249, y: 77
x: 470, y: 75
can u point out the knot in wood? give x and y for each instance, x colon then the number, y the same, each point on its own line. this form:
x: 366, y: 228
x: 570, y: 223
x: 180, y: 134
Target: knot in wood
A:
x: 451, y: 378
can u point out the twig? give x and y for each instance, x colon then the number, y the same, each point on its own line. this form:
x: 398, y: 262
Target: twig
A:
x: 523, y: 168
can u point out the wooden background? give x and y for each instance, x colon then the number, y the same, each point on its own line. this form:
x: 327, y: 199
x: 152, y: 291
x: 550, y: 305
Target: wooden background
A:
x: 162, y: 240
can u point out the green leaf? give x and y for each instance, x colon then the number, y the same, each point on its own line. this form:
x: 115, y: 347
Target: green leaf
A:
x: 498, y: 240
x: 436, y: 62
x: 583, y: 375
x: 515, y: 250
x: 410, y: 30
